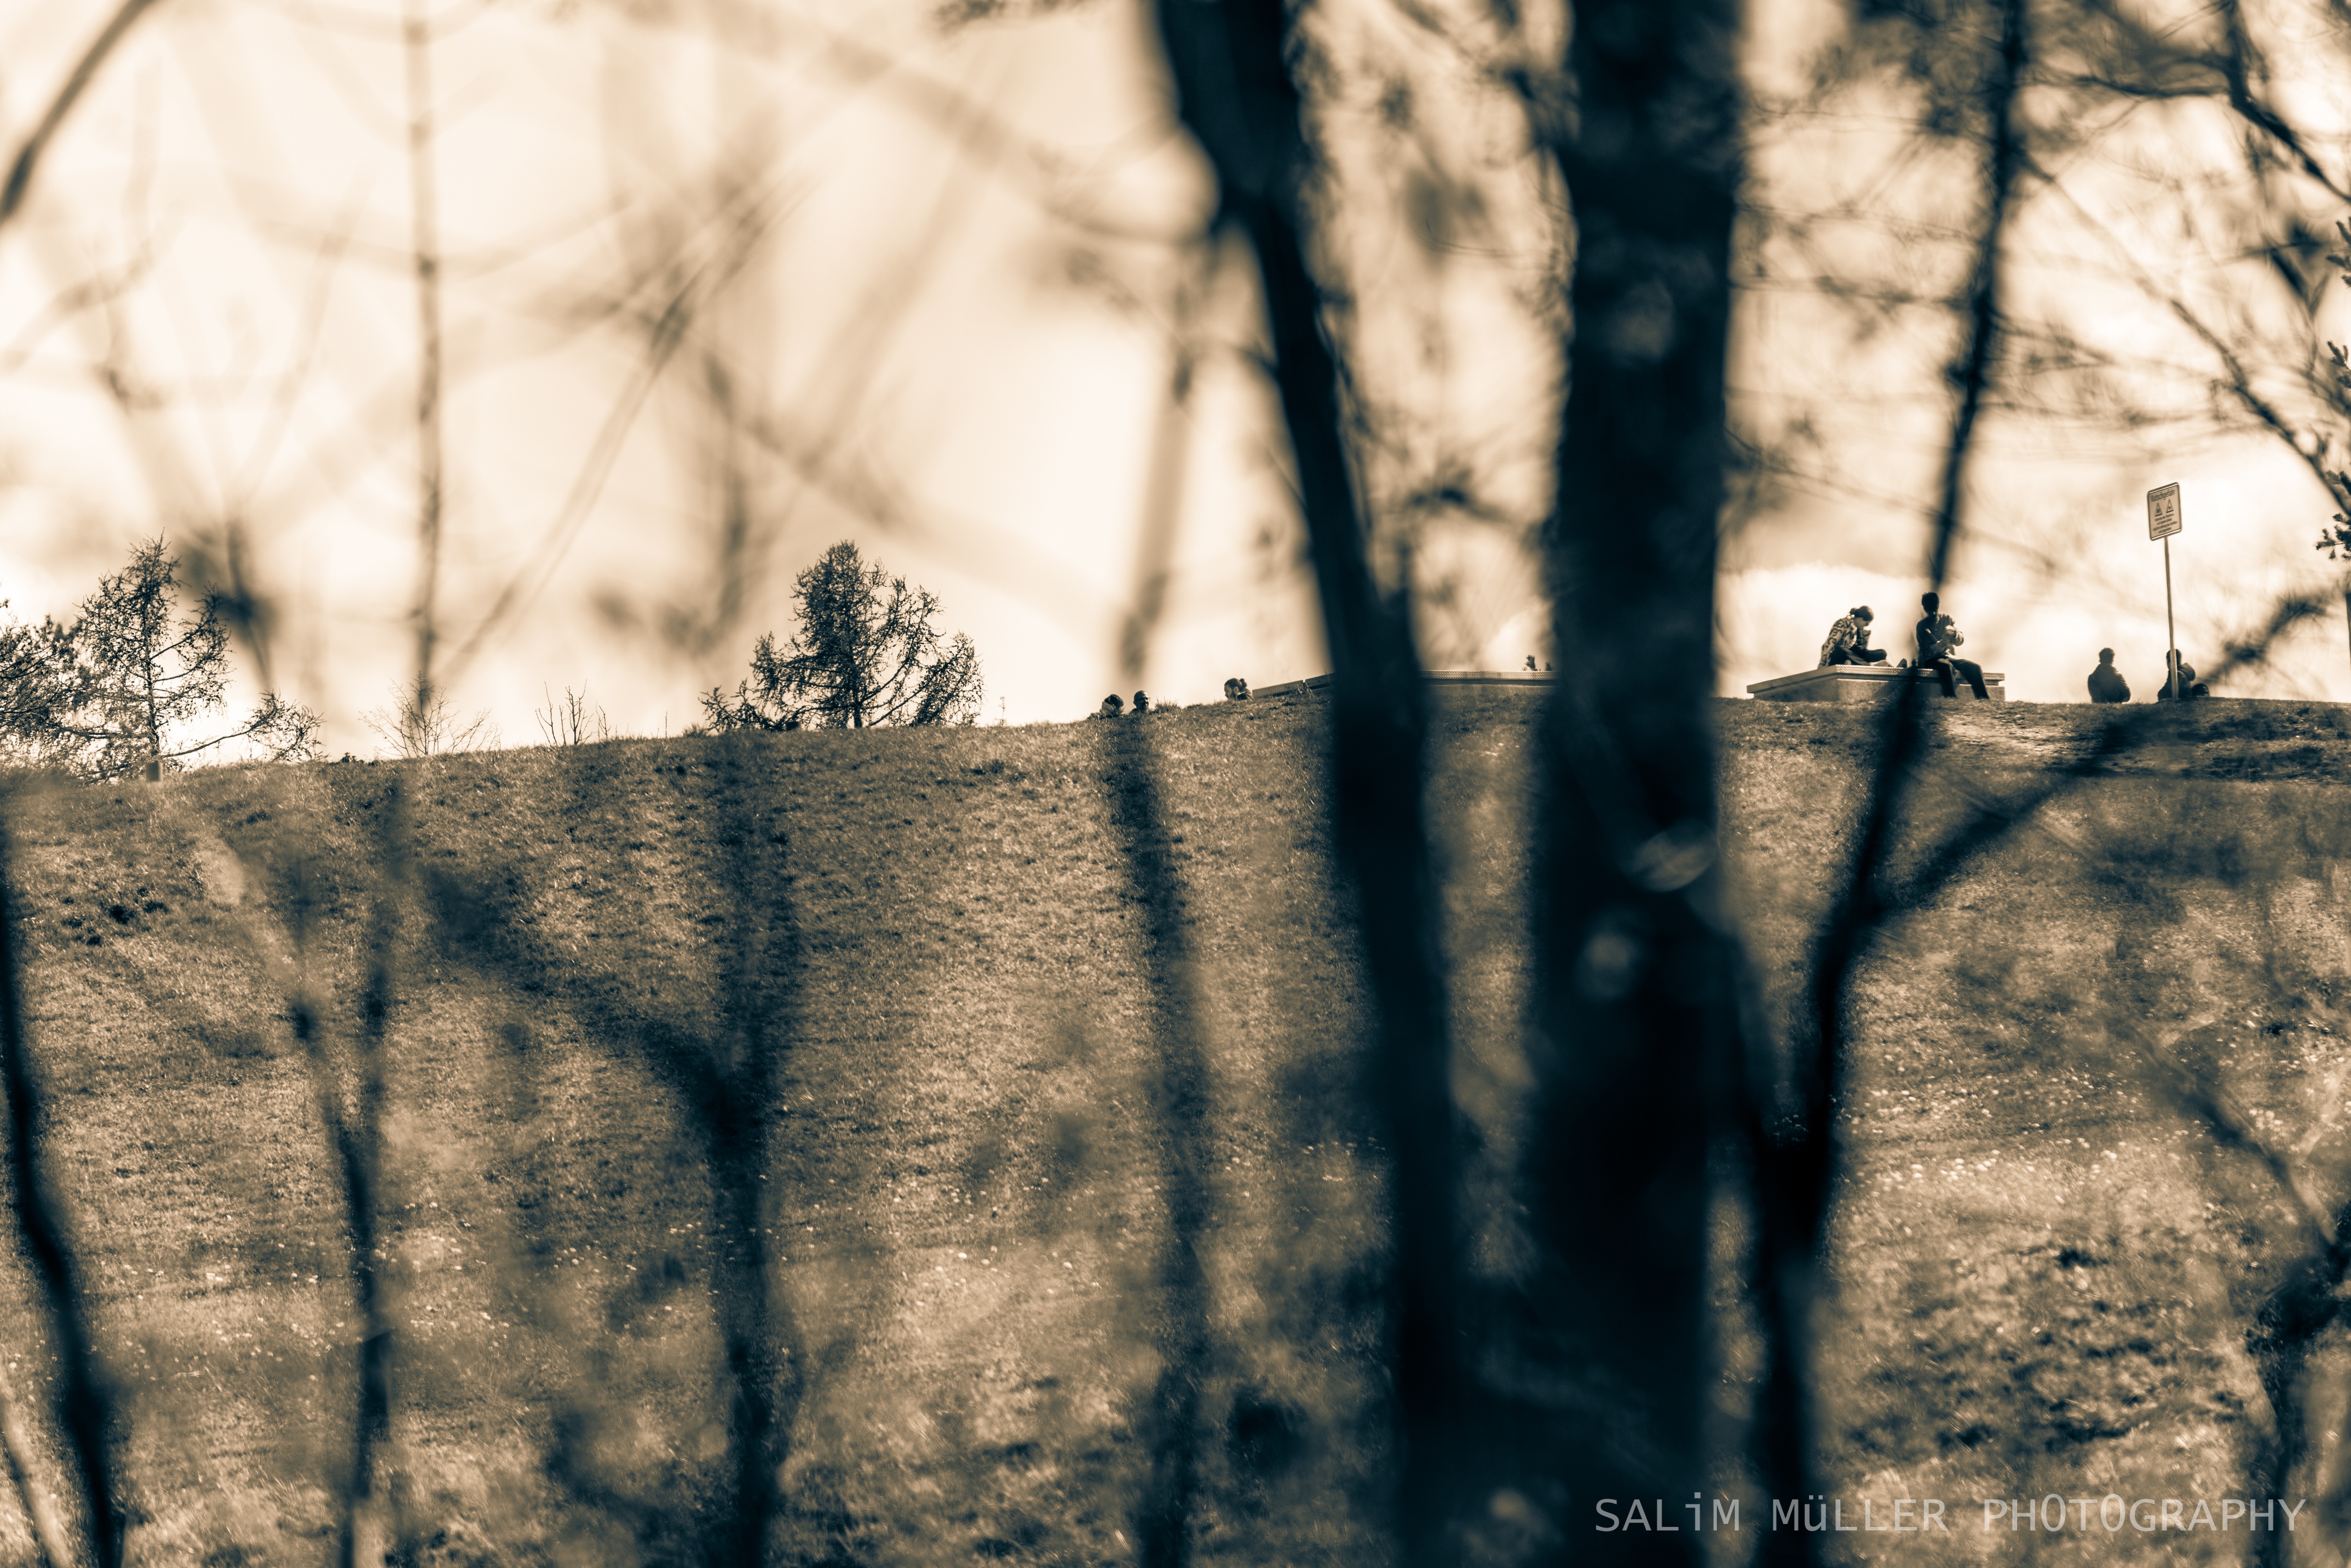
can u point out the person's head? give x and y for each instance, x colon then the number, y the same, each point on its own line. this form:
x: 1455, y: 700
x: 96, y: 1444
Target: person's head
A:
x: 1862, y: 612
x: 1933, y: 601
x: 2106, y: 655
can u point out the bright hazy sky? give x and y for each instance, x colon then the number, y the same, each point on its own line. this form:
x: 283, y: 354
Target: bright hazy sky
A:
x: 931, y: 280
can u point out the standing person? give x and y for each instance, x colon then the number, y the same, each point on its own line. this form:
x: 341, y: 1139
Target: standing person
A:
x: 1848, y: 640
x: 1939, y: 635
x: 2106, y: 683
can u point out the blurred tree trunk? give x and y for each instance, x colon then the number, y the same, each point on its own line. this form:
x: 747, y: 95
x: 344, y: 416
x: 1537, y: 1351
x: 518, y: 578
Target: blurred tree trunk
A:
x: 1234, y: 94
x: 1637, y: 1010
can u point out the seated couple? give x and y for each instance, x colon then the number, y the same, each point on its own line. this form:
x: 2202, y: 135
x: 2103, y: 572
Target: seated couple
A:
x: 1939, y: 637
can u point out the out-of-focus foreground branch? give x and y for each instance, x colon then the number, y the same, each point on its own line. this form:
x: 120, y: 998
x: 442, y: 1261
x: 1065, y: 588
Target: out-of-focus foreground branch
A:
x: 1797, y: 1166
x: 78, y: 80
x: 1234, y: 94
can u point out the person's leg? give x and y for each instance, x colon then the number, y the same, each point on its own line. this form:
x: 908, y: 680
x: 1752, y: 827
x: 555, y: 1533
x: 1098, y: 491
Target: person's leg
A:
x: 1942, y: 668
x: 1840, y: 656
x: 1870, y: 655
x: 1973, y: 672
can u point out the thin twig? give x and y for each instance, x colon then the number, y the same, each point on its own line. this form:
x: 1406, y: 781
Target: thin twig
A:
x: 667, y: 331
x: 423, y: 209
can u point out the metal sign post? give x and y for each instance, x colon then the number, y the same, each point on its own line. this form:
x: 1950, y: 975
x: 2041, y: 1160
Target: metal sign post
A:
x: 2162, y: 522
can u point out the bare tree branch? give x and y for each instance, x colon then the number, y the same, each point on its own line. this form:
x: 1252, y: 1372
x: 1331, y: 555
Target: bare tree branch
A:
x: 78, y: 80
x: 424, y: 219
x: 665, y: 333
x: 1797, y: 1171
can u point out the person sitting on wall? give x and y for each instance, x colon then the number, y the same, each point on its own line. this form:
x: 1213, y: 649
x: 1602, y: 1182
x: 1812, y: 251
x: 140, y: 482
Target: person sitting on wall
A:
x: 1236, y: 690
x: 2106, y: 683
x: 2189, y: 686
x: 1848, y: 640
x: 1938, y: 638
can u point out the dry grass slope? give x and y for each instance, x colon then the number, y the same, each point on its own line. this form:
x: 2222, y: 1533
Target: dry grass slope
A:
x: 2045, y: 1269
x: 936, y: 931
x: 2044, y: 1272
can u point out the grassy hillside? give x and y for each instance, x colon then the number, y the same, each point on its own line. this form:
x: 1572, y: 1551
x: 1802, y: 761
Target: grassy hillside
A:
x: 2042, y: 1274
x: 942, y: 933
x: 2047, y: 1271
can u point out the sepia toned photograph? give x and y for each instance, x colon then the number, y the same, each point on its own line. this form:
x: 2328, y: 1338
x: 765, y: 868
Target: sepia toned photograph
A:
x: 1271, y: 783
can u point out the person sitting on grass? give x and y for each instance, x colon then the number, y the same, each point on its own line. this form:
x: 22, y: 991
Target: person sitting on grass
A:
x: 2189, y: 686
x: 1848, y: 640
x: 1113, y: 705
x: 1938, y: 638
x: 2106, y: 683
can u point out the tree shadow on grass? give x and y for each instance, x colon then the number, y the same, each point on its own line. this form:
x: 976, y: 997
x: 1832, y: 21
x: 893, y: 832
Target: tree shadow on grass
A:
x: 722, y: 1067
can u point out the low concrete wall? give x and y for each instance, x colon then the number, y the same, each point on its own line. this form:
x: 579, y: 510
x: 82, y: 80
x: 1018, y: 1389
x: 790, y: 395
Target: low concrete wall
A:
x: 1862, y: 683
x: 1830, y: 683
x: 1314, y: 685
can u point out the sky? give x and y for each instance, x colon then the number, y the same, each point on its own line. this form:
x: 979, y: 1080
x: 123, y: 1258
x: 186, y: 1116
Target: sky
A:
x: 725, y: 281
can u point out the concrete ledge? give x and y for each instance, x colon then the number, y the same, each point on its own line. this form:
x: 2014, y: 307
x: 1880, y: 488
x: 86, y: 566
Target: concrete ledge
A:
x: 1315, y: 684
x: 1861, y: 683
x: 1829, y: 684
x: 1491, y: 678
